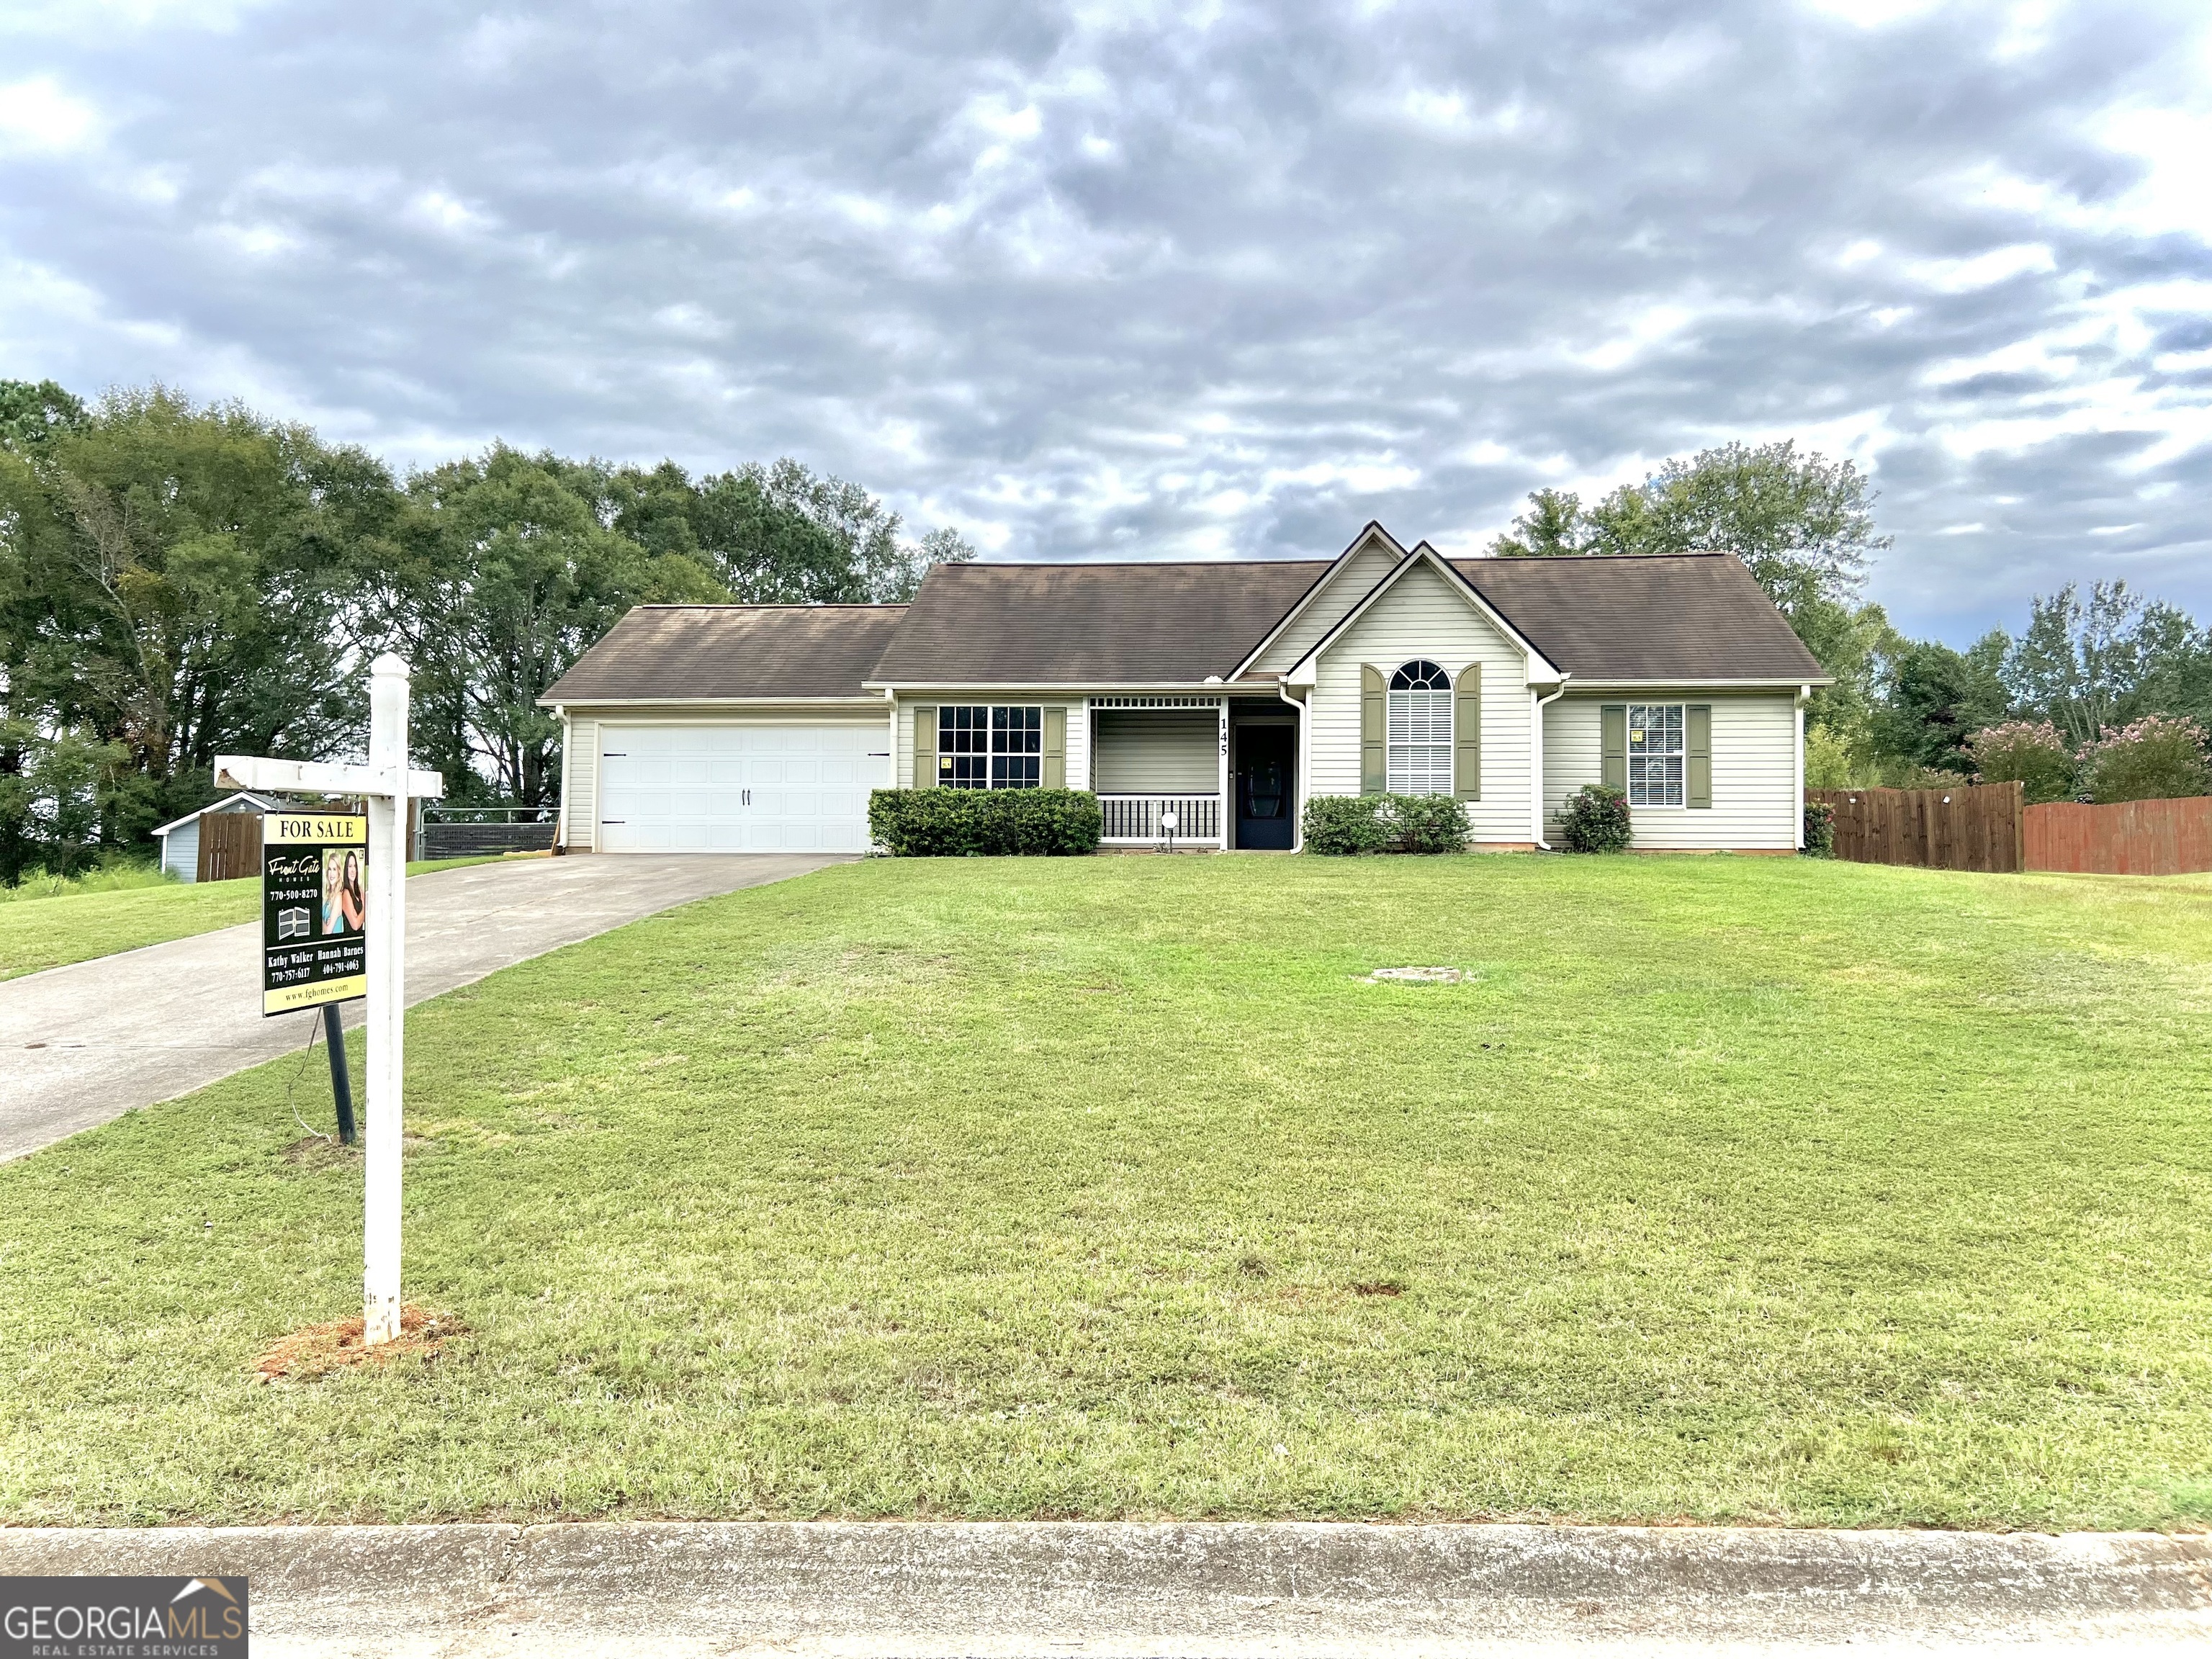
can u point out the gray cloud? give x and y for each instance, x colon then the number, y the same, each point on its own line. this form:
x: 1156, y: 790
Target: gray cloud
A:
x: 1091, y: 282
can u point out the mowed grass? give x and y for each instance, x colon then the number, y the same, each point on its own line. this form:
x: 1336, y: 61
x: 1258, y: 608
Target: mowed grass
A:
x: 41, y: 929
x: 1724, y: 1189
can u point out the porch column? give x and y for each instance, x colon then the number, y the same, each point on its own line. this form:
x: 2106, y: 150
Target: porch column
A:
x: 1222, y: 810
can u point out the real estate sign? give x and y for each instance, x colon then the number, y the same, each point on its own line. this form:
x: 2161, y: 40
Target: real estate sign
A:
x: 315, y: 909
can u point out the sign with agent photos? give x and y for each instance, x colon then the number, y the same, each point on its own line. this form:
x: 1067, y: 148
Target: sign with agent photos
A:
x: 315, y: 909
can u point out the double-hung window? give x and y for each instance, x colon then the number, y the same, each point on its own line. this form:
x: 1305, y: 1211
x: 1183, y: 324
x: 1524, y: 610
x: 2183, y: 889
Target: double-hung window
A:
x: 1420, y: 720
x: 1656, y: 754
x: 990, y: 746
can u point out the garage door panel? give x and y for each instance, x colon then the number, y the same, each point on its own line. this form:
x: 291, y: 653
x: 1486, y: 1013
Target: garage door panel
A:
x: 766, y: 788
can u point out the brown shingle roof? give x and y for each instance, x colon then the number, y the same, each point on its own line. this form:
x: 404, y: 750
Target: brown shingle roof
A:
x: 1692, y: 617
x: 680, y: 651
x: 1089, y: 624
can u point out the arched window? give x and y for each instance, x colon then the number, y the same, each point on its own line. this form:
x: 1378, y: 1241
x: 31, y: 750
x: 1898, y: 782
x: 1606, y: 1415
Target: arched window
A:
x: 1420, y: 731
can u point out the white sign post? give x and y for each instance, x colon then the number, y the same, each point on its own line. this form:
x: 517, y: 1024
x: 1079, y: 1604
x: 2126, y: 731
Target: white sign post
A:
x: 386, y: 786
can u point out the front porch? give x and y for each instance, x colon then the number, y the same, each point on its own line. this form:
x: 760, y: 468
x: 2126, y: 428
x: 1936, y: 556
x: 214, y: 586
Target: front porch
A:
x: 1185, y: 773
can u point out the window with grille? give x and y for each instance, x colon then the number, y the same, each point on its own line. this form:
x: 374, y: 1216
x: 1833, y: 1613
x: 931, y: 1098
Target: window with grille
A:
x: 989, y: 746
x: 1655, y: 753
x: 1419, y: 719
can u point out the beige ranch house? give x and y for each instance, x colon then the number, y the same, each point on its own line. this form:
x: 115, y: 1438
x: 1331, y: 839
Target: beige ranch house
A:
x: 1205, y: 702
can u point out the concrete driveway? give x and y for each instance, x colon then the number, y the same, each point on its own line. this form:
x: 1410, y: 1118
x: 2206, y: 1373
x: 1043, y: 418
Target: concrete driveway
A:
x: 87, y: 1043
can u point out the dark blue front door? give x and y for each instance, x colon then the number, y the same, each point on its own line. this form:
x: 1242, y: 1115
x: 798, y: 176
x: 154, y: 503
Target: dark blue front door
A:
x: 1266, y: 790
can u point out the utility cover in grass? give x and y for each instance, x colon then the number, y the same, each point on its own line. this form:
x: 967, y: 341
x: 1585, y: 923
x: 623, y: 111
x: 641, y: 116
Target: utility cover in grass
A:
x: 1417, y: 976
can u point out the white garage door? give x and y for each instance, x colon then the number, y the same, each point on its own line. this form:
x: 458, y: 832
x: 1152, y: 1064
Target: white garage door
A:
x: 780, y: 788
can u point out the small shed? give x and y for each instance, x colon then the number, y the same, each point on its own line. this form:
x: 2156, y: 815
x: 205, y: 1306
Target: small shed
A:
x: 181, y: 851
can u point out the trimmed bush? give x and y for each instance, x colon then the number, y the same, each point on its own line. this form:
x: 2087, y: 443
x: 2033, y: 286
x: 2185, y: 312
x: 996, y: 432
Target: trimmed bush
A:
x: 2028, y: 752
x: 1345, y: 824
x: 2158, y: 757
x: 1428, y: 824
x: 1340, y: 825
x: 1819, y: 830
x: 986, y: 822
x: 1596, y: 820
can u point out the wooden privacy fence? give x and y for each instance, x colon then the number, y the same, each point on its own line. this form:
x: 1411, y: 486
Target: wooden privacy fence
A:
x: 1972, y: 827
x: 1988, y: 827
x: 2134, y: 838
x: 230, y: 845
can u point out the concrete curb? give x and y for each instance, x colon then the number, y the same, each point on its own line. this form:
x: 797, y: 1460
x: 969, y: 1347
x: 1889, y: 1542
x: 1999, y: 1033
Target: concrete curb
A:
x: 1228, y: 1589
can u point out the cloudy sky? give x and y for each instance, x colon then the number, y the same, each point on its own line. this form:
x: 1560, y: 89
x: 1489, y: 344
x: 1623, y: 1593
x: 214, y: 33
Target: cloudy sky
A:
x: 1119, y: 281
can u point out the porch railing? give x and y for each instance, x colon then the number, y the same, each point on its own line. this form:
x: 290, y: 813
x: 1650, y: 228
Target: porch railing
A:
x: 1133, y: 818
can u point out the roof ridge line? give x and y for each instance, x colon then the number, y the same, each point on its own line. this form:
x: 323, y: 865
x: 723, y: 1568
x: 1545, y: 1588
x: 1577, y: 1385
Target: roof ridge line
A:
x: 1562, y: 558
x: 779, y: 604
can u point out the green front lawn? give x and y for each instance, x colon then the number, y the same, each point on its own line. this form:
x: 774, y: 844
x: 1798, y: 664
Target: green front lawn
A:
x: 1725, y: 1189
x: 39, y: 932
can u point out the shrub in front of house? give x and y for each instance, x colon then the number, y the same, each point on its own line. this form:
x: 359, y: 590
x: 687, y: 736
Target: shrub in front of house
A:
x: 2028, y: 752
x: 1428, y: 824
x: 984, y: 822
x: 1342, y: 825
x: 1596, y: 820
x: 1819, y: 830
x: 2158, y: 757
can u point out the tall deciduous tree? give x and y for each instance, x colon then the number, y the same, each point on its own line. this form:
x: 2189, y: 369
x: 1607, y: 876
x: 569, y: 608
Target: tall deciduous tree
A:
x: 779, y: 534
x: 2087, y: 663
x: 171, y: 585
x: 1803, y: 523
x: 509, y: 568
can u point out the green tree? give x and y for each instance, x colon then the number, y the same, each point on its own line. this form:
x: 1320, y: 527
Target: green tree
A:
x: 1937, y: 698
x: 2029, y: 752
x: 778, y: 534
x: 1802, y: 523
x: 171, y: 588
x: 2087, y: 664
x: 2158, y: 757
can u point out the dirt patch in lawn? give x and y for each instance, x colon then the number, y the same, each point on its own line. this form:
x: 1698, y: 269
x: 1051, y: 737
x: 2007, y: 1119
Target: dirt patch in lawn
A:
x: 318, y: 1350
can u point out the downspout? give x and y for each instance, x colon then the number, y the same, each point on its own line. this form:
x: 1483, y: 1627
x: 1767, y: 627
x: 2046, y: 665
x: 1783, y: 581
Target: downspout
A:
x: 1797, y: 807
x: 568, y: 765
x: 1298, y: 805
x: 1536, y: 742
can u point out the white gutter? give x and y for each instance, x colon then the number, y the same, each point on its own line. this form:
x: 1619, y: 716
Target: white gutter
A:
x: 1298, y: 815
x: 1680, y: 685
x: 1536, y: 749
x: 712, y: 703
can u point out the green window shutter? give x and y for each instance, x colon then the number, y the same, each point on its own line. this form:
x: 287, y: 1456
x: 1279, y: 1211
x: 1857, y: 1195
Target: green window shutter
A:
x: 1374, y: 770
x: 1056, y: 749
x: 1698, y: 754
x: 1466, y: 732
x: 1613, y: 729
x: 925, y: 748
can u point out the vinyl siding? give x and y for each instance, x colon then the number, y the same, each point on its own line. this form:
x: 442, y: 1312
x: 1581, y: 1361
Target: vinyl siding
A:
x: 1423, y: 616
x: 1754, y: 771
x: 1345, y: 588
x: 579, y: 783
x: 180, y: 851
x: 1158, y: 751
x: 1078, y: 737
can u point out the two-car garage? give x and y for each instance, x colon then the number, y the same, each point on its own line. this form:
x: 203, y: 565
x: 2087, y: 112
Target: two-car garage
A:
x: 752, y: 788
x: 725, y: 728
